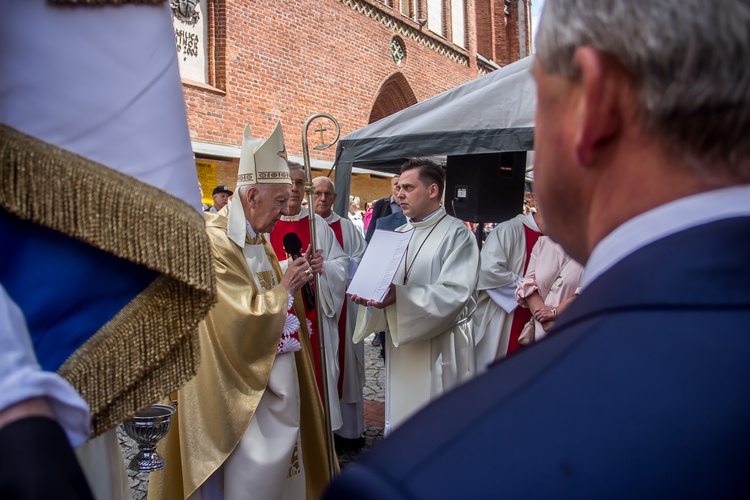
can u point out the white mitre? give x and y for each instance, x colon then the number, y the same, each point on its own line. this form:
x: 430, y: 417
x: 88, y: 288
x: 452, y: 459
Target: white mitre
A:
x: 261, y: 162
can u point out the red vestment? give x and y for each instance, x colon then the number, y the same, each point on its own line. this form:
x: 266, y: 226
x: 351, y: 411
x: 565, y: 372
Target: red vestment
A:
x: 302, y: 229
x: 522, y: 315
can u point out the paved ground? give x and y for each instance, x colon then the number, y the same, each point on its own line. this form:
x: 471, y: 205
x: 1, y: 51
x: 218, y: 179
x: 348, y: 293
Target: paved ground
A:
x: 374, y: 393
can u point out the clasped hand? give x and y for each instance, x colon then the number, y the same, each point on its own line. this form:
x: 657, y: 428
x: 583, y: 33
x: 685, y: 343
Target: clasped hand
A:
x: 545, y: 316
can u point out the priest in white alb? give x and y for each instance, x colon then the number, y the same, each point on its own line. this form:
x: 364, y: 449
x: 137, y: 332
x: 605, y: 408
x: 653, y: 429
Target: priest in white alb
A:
x: 351, y: 356
x: 427, y: 311
x: 505, y: 255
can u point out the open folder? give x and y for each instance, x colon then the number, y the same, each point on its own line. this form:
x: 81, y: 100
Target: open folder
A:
x: 378, y: 266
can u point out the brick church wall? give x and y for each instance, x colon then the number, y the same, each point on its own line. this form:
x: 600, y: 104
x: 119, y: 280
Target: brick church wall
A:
x: 289, y: 59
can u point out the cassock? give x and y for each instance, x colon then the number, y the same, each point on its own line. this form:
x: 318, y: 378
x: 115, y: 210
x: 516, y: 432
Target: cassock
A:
x: 351, y: 356
x: 249, y: 413
x: 331, y: 294
x: 504, y: 258
x: 430, y: 347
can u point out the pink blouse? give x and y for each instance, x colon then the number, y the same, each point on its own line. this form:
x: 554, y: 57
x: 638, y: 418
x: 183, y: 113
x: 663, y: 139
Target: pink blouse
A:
x: 552, y: 273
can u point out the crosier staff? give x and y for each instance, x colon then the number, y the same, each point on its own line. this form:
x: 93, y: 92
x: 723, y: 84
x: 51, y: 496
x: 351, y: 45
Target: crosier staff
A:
x: 309, y: 190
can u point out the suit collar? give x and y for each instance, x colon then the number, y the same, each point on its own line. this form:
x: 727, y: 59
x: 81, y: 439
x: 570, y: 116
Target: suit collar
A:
x: 706, y: 266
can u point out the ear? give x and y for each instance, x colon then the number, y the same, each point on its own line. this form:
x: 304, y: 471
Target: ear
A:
x: 252, y: 193
x: 434, y: 191
x: 600, y: 115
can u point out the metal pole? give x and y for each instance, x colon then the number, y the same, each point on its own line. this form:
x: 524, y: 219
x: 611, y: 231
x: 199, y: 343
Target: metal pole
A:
x: 313, y: 248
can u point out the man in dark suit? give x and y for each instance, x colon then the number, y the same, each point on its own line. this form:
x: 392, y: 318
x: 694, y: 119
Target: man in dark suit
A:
x: 642, y: 389
x: 389, y: 222
x: 384, y: 207
x: 392, y: 221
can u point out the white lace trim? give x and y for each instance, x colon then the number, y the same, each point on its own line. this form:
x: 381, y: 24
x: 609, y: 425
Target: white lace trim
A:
x: 287, y: 342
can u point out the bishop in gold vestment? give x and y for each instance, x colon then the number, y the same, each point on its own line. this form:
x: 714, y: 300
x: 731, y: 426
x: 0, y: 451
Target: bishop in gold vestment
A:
x: 251, y: 423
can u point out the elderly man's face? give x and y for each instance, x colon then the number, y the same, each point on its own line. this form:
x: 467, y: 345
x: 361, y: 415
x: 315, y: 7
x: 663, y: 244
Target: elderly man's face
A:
x: 220, y: 200
x: 324, y: 196
x: 265, y: 204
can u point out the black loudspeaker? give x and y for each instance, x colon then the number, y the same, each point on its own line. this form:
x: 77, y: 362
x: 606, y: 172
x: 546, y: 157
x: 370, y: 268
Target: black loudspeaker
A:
x: 485, y: 187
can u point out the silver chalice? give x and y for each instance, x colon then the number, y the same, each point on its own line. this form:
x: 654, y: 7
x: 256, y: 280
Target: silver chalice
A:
x: 146, y: 428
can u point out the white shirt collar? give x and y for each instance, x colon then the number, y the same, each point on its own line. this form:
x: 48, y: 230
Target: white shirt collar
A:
x: 250, y: 229
x: 410, y: 220
x: 303, y: 212
x: 663, y: 221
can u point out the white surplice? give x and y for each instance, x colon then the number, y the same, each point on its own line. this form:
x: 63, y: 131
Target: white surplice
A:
x: 331, y: 295
x: 502, y: 261
x: 429, y: 348
x: 351, y: 402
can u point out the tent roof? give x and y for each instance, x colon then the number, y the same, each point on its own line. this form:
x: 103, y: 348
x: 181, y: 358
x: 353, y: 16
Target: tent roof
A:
x: 489, y: 114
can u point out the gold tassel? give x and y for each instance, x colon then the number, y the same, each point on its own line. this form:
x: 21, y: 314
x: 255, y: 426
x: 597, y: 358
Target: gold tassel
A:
x: 150, y: 347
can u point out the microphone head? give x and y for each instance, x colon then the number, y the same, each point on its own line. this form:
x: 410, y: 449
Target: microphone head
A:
x: 292, y: 244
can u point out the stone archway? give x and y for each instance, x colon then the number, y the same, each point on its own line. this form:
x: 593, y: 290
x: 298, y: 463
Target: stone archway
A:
x: 394, y: 95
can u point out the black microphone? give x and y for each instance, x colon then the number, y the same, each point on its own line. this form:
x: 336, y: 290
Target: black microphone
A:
x: 293, y: 246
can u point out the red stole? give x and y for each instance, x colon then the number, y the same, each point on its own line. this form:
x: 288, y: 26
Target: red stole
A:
x: 336, y: 226
x: 522, y: 315
x: 302, y: 228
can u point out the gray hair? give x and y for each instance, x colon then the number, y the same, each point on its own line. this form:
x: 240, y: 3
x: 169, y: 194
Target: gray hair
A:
x: 293, y: 165
x: 324, y: 178
x: 242, y: 190
x: 688, y: 60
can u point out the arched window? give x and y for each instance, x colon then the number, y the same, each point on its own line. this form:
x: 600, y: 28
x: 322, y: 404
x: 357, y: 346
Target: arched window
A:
x: 395, y: 95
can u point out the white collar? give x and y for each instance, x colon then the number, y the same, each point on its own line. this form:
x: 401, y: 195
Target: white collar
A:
x: 294, y: 218
x: 410, y: 220
x: 663, y: 221
x: 250, y: 229
x: 532, y: 222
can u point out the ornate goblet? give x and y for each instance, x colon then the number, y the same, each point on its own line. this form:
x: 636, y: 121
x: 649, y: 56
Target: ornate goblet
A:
x: 146, y: 428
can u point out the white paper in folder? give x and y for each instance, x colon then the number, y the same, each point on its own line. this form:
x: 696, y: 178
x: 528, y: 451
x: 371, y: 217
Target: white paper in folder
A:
x: 378, y: 266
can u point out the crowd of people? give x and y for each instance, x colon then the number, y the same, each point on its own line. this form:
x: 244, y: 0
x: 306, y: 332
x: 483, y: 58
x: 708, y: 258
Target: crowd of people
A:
x: 595, y: 347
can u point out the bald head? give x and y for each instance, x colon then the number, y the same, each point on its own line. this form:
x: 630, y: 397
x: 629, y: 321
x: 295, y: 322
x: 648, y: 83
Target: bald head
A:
x: 324, y: 196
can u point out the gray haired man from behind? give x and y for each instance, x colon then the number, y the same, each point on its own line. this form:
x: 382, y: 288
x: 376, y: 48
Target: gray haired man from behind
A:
x: 642, y: 168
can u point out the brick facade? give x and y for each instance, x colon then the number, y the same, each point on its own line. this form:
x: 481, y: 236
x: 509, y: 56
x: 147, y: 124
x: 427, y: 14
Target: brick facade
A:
x: 285, y: 60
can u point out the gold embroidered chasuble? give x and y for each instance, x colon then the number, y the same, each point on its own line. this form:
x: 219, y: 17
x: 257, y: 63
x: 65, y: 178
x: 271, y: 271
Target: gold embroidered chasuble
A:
x: 238, y: 342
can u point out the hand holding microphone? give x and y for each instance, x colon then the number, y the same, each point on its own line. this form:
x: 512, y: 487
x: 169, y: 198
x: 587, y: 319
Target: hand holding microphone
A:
x: 293, y: 247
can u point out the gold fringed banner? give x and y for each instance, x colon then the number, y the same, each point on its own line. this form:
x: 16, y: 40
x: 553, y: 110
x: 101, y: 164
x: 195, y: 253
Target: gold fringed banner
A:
x: 150, y: 347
